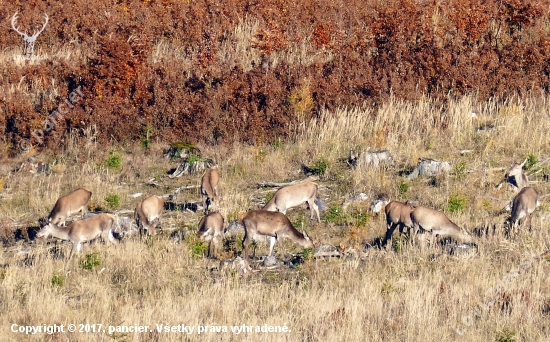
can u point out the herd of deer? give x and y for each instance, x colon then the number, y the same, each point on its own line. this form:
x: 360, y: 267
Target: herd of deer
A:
x: 270, y: 221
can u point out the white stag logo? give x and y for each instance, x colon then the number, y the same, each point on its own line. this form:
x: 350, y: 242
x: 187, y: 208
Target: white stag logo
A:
x: 29, y: 40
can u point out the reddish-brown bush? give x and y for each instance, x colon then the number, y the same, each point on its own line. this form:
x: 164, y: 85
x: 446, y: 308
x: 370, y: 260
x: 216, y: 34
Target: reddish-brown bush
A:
x: 356, y: 53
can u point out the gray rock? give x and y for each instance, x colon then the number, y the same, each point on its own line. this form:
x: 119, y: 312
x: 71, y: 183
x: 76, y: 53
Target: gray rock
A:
x: 374, y: 158
x: 429, y: 168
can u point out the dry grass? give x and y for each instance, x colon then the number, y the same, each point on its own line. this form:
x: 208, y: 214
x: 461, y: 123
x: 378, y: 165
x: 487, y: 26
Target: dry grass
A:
x: 405, y: 295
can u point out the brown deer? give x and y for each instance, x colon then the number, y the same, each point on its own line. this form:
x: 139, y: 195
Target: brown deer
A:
x: 211, y: 230
x: 525, y: 202
x: 293, y: 196
x: 209, y: 188
x: 82, y: 231
x: 436, y: 223
x: 275, y: 225
x: 148, y: 213
x: 69, y: 204
x: 398, y: 214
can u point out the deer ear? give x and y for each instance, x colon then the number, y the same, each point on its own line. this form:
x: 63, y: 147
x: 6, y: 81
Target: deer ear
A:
x: 525, y: 161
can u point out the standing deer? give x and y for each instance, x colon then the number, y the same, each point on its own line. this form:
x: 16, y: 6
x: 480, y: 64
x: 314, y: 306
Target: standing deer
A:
x: 525, y: 202
x: 211, y: 230
x: 293, y: 196
x: 69, y: 204
x: 209, y: 188
x: 398, y: 214
x: 275, y: 225
x: 82, y: 231
x: 436, y: 223
x: 148, y: 213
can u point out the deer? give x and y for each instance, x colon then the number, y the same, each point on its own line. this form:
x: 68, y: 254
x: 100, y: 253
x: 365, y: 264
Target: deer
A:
x: 398, y: 214
x: 69, y: 204
x: 293, y: 196
x: 516, y: 177
x: 525, y: 202
x: 82, y: 231
x: 211, y: 229
x: 436, y: 223
x: 29, y: 40
x: 275, y: 225
x: 148, y: 213
x: 209, y: 188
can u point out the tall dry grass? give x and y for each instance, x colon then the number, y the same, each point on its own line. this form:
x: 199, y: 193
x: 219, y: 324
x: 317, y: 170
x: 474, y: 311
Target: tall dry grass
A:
x: 403, y: 294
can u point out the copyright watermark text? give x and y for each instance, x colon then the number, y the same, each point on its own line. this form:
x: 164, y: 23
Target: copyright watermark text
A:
x: 158, y: 328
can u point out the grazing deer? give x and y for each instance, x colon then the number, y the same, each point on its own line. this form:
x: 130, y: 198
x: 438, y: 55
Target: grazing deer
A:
x: 69, y: 204
x: 209, y: 188
x: 398, y: 214
x: 436, y: 223
x: 525, y: 202
x: 147, y: 214
x: 293, y: 196
x: 275, y: 225
x: 82, y: 231
x: 211, y: 229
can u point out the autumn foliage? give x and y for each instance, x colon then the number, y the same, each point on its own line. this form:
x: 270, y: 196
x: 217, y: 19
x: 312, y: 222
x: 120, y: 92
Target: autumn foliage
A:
x: 239, y: 70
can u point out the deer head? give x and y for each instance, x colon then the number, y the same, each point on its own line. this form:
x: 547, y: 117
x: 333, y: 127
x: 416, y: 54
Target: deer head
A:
x: 29, y: 40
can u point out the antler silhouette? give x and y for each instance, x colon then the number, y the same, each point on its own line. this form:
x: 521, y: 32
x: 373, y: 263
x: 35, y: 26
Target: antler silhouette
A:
x: 29, y: 40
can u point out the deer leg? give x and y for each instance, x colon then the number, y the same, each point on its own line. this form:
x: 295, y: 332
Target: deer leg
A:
x: 246, y: 243
x: 210, y: 248
x: 206, y: 204
x: 216, y: 245
x: 432, y: 239
x: 78, y: 247
x: 389, y: 233
x: 272, y: 241
x: 315, y: 207
x: 425, y: 239
x: 111, y: 238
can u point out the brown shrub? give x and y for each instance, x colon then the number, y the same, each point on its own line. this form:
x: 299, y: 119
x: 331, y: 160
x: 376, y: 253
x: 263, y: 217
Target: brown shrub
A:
x: 159, y: 63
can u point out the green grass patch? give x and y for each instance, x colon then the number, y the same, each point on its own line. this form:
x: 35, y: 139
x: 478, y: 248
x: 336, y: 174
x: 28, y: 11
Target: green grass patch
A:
x: 308, y: 254
x: 505, y: 335
x: 531, y: 161
x: 113, y: 201
x: 268, y: 197
x: 58, y: 279
x: 403, y: 186
x: 193, y: 158
x: 336, y: 215
x: 90, y: 261
x: 114, y: 160
x: 457, y: 203
x: 320, y: 167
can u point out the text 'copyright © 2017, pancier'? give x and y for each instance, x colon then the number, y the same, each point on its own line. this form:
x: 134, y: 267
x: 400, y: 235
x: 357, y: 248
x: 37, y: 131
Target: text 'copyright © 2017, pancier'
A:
x: 158, y: 328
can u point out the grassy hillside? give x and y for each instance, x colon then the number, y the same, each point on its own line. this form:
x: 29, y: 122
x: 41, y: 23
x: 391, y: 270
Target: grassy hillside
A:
x: 399, y: 294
